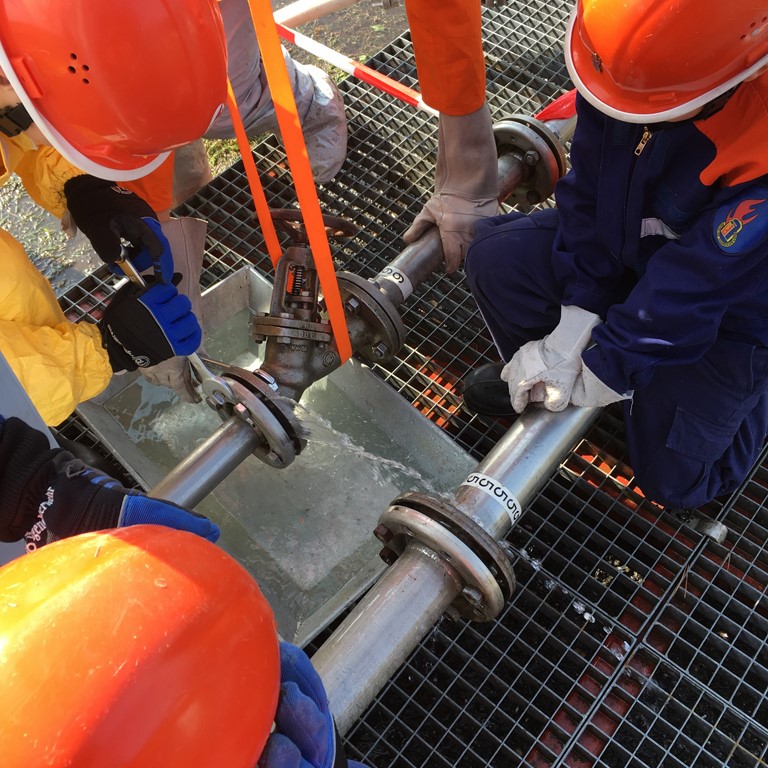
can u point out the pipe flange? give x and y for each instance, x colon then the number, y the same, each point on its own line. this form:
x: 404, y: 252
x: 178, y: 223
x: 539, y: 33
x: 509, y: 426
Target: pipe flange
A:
x: 363, y: 298
x: 288, y: 329
x: 264, y: 386
x: 276, y: 447
x: 484, y: 567
x: 538, y: 149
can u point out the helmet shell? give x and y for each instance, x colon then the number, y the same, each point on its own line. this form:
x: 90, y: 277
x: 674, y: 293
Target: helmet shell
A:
x: 143, y: 646
x: 116, y: 85
x: 654, y: 60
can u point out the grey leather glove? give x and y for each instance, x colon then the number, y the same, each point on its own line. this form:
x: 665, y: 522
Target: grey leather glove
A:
x: 187, y: 239
x: 466, y: 184
x: 546, y: 370
x: 590, y: 392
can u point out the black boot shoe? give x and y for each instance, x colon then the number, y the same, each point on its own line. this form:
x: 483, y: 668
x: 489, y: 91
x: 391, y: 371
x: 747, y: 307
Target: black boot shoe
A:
x: 485, y: 393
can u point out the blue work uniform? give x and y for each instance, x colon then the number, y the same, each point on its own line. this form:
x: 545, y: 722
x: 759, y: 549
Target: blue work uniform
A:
x: 662, y: 231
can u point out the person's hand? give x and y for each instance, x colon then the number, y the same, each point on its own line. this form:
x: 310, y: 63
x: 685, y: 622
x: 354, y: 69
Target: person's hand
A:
x: 144, y: 326
x: 108, y: 214
x: 175, y: 374
x: 466, y: 184
x: 46, y: 494
x: 546, y: 370
x: 590, y: 392
x: 305, y: 735
x: 186, y: 236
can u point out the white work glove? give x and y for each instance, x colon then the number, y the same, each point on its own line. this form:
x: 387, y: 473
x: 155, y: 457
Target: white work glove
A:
x: 590, y: 391
x: 187, y: 239
x: 466, y: 184
x: 545, y: 371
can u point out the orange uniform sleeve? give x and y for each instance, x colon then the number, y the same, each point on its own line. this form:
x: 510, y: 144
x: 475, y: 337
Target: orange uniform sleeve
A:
x: 447, y: 41
x: 738, y: 133
x: 156, y: 187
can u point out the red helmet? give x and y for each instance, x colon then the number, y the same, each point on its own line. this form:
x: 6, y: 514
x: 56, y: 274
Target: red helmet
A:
x: 141, y: 647
x: 654, y: 60
x: 115, y: 84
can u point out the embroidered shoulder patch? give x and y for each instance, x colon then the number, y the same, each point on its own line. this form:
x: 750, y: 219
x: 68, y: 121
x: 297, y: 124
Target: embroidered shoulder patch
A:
x: 742, y: 224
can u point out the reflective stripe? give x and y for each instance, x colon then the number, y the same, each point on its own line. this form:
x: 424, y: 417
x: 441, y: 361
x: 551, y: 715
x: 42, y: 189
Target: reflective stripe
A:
x: 657, y: 227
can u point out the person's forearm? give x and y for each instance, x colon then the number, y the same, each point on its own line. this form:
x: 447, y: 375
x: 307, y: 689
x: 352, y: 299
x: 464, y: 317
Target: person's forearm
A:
x: 447, y: 41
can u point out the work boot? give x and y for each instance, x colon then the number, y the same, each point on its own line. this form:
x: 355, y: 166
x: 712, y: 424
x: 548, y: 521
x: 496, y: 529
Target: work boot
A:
x: 485, y: 393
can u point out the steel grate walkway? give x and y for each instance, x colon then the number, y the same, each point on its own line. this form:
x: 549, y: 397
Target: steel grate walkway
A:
x: 631, y: 642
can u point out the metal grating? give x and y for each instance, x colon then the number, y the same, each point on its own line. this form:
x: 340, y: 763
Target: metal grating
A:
x: 631, y: 641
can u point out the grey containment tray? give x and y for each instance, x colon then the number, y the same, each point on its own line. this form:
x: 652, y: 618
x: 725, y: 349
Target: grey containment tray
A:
x: 304, y: 532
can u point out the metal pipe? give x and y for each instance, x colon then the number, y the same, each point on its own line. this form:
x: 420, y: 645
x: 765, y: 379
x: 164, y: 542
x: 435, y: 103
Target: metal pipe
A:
x: 418, y: 261
x: 401, y: 608
x: 209, y: 464
x: 522, y: 462
x: 303, y: 11
x: 376, y: 638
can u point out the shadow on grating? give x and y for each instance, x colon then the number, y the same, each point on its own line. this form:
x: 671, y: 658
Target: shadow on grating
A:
x: 495, y: 694
x: 631, y: 640
x: 655, y: 715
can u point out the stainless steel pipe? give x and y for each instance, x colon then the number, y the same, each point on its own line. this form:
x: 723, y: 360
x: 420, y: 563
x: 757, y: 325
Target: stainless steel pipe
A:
x: 393, y: 617
x: 420, y: 260
x: 209, y: 464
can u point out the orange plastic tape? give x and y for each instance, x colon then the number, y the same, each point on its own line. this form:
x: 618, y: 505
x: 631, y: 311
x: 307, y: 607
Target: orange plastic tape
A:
x: 254, y: 181
x: 298, y: 162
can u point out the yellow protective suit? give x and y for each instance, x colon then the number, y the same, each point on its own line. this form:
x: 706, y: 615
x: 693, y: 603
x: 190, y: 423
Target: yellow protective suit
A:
x: 58, y: 362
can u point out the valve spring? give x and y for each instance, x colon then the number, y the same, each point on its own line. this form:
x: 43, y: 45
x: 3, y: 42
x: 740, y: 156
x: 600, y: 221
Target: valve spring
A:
x: 298, y: 279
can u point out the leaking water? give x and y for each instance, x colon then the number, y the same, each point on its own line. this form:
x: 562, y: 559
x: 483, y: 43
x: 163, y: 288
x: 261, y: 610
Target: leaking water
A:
x: 306, y: 530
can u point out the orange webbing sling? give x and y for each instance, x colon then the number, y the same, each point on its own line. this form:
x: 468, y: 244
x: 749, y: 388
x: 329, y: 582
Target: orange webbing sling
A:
x: 298, y: 162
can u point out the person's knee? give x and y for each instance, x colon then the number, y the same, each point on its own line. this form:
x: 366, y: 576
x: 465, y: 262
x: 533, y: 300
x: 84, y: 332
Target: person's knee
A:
x: 504, y: 242
x: 480, y: 262
x: 690, y: 469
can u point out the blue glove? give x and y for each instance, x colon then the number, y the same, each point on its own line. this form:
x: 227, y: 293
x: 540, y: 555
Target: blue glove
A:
x: 108, y: 214
x: 104, y: 503
x: 142, y: 510
x: 150, y: 247
x: 46, y: 494
x: 142, y: 327
x: 305, y: 735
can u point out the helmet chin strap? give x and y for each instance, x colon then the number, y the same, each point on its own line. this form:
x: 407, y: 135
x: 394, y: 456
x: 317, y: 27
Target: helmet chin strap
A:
x: 714, y: 106
x: 14, y: 120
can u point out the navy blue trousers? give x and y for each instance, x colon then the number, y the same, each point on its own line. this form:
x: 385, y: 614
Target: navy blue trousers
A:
x: 694, y: 432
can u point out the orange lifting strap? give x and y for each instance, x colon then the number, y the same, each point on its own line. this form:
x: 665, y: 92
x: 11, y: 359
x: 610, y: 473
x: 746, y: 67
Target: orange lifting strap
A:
x: 254, y: 182
x: 298, y: 161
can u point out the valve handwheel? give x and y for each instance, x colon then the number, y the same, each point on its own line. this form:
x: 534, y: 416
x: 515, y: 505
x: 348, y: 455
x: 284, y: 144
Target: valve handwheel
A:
x: 291, y: 221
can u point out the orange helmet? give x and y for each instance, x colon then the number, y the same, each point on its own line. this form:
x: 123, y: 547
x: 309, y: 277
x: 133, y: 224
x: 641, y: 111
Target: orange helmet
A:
x: 115, y: 85
x: 654, y: 60
x: 142, y: 646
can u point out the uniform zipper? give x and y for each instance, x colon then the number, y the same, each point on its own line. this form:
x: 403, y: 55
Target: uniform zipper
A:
x: 644, y: 139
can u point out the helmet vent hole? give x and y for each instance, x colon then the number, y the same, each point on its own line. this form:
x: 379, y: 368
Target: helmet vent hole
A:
x: 83, y: 68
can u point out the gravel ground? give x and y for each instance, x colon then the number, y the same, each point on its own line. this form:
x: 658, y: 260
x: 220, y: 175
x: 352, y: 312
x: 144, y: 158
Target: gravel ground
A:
x: 62, y: 260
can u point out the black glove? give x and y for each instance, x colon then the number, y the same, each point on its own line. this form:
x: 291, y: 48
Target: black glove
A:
x: 105, y: 213
x: 144, y: 326
x: 46, y: 494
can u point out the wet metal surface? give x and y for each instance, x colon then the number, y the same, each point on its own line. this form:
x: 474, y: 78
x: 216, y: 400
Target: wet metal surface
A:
x: 631, y: 641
